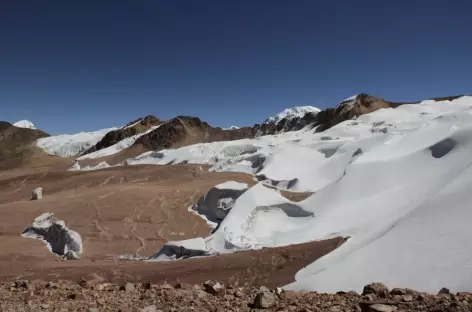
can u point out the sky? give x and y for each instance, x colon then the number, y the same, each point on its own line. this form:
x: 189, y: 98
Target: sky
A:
x: 71, y: 66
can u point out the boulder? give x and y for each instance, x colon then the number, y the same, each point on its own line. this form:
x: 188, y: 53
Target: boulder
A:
x: 378, y: 289
x: 37, y: 193
x: 264, y: 300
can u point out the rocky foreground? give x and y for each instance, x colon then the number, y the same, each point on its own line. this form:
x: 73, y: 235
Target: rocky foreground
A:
x: 145, y: 297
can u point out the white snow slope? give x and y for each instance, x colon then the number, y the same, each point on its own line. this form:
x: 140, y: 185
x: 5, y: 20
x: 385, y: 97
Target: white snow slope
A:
x: 396, y: 181
x: 67, y: 145
x: 298, y: 111
x: 24, y: 124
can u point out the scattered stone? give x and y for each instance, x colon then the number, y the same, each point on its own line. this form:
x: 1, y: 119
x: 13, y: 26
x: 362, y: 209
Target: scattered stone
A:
x: 166, y: 286
x: 146, y: 285
x: 37, y: 193
x: 63, y: 296
x: 382, y: 308
x: 184, y: 286
x: 128, y: 287
x: 151, y: 308
x: 264, y: 300
x: 20, y: 284
x: 213, y: 288
x: 370, y: 297
x: 377, y: 289
x: 398, y: 291
x: 444, y: 291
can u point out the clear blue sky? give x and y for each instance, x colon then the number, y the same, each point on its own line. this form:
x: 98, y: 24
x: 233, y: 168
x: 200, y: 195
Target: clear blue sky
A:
x: 72, y: 66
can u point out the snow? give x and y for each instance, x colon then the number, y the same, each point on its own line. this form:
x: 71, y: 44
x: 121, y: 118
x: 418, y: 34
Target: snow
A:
x: 218, y: 202
x: 396, y: 182
x: 298, y: 111
x: 59, y: 239
x: 232, y: 185
x: 231, y: 128
x: 67, y: 145
x: 116, y: 148
x: 24, y: 124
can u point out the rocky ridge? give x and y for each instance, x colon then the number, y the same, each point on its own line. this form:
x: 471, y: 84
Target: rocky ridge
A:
x: 132, y: 128
x: 17, y: 142
x: 91, y: 296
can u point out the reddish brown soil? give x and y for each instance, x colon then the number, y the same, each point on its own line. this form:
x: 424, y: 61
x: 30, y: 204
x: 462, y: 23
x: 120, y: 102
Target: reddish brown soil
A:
x: 131, y: 210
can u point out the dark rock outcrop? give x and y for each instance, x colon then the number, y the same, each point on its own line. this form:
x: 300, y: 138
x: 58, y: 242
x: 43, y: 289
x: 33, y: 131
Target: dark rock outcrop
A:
x: 134, y: 127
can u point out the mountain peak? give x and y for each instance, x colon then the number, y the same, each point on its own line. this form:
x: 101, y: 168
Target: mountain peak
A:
x: 293, y: 112
x: 24, y: 124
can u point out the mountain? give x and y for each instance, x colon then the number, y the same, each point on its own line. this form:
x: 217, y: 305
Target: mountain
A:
x: 294, y: 112
x: 389, y: 180
x: 16, y: 142
x: 24, y: 124
x: 67, y: 145
x: 134, y: 128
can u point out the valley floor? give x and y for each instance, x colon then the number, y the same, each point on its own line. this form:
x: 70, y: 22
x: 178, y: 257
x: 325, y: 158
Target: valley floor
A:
x: 131, y: 211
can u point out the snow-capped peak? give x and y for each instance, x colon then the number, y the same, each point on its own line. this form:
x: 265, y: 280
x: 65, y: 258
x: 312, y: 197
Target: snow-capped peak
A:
x: 24, y: 124
x: 231, y: 128
x: 289, y: 113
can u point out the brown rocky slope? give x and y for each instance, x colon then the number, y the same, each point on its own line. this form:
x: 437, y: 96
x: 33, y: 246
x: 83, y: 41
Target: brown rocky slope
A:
x: 213, y: 296
x: 17, y: 144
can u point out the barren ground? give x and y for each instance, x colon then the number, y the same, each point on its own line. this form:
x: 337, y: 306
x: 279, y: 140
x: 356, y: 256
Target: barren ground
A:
x: 131, y: 210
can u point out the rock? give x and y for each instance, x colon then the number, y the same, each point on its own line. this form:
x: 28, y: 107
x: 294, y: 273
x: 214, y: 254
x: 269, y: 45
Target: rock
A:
x: 407, y: 298
x: 20, y: 284
x: 166, y: 286
x: 239, y: 294
x: 264, y: 289
x: 151, y: 308
x: 213, y: 288
x: 370, y: 297
x: 444, y: 291
x: 398, y: 291
x: 146, y: 285
x: 382, y: 308
x: 290, y: 295
x: 37, y: 193
x: 352, y: 293
x: 184, y: 286
x: 92, y: 310
x: 199, y: 294
x: 101, y: 286
x: 264, y: 300
x: 377, y: 289
x: 128, y: 287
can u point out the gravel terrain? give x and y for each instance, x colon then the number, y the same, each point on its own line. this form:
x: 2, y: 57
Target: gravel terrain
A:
x: 64, y: 296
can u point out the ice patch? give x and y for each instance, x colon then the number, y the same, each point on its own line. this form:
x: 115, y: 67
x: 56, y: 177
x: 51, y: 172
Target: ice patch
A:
x: 59, y: 239
x: 67, y: 145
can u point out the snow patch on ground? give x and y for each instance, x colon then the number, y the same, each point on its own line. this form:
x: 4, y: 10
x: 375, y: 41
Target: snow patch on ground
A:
x: 59, y: 239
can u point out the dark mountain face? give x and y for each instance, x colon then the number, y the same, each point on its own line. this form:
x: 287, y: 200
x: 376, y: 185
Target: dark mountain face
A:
x: 184, y: 130
x: 134, y: 127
